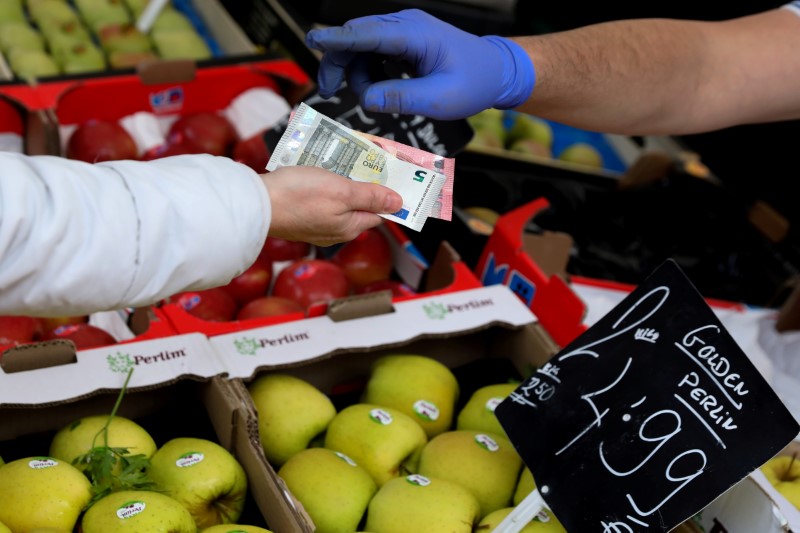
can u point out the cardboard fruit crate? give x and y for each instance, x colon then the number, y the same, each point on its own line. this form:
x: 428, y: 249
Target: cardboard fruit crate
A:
x: 125, y: 326
x: 483, y: 334
x: 177, y: 389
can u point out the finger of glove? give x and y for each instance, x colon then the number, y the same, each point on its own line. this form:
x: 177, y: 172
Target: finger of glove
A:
x: 369, y: 34
x: 331, y: 72
x: 431, y: 96
x: 358, y: 74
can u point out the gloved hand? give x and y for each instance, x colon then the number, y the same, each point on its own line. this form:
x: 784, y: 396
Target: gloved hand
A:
x: 458, y: 74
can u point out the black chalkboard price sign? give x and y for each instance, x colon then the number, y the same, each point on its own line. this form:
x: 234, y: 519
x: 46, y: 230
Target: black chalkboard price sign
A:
x: 646, y: 417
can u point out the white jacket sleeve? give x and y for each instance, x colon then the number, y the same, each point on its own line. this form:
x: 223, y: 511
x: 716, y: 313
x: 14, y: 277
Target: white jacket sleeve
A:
x: 77, y: 238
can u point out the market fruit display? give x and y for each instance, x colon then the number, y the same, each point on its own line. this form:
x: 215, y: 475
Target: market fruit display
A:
x: 84, y: 336
x: 366, y: 259
x: 544, y: 522
x: 487, y: 465
x: 311, y: 281
x: 291, y: 413
x: 43, y: 38
x: 384, y: 441
x: 534, y: 137
x: 21, y: 330
x: 42, y: 492
x: 95, y: 141
x: 478, y: 413
x: 417, y: 503
x: 203, y: 476
x: 335, y: 491
x: 473, y: 472
x: 418, y: 386
x: 79, y: 437
x: 525, y: 486
x: 783, y: 472
x: 135, y: 511
x: 237, y: 528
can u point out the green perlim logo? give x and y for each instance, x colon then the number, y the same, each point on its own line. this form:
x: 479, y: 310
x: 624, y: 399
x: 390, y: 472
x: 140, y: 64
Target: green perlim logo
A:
x: 120, y: 362
x: 246, y: 346
x: 435, y: 311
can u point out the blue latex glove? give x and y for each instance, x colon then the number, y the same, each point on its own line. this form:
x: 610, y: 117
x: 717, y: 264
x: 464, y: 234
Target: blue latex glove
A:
x: 458, y: 74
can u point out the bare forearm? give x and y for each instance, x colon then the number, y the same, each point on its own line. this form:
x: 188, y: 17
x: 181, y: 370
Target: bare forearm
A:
x: 660, y: 76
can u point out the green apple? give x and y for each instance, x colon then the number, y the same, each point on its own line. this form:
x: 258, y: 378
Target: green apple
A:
x: 234, y: 528
x: 529, y: 127
x: 783, y: 472
x: 65, y: 36
x: 49, y: 12
x: 486, y: 464
x: 544, y: 522
x: 136, y: 7
x: 130, y: 59
x: 417, y: 385
x: 79, y: 437
x: 416, y: 503
x: 11, y: 11
x: 123, y: 38
x: 19, y: 35
x: 525, y: 486
x: 384, y: 441
x: 171, y: 19
x: 478, y: 412
x: 203, y: 476
x: 135, y: 511
x: 582, y: 154
x: 486, y: 138
x: 530, y: 147
x: 32, y: 64
x: 82, y: 57
x: 291, y: 413
x: 486, y: 214
x: 180, y: 44
x: 42, y: 492
x: 101, y: 13
x: 490, y: 121
x: 4, y: 529
x: 333, y: 489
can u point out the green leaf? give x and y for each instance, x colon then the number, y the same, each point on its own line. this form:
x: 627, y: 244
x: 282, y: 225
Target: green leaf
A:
x: 113, y: 469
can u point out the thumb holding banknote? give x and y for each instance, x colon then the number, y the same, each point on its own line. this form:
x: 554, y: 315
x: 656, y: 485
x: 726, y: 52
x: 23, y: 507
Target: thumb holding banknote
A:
x: 313, y: 205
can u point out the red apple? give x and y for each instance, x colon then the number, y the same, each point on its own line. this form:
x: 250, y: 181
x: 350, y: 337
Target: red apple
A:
x: 84, y: 336
x: 19, y: 329
x: 167, y: 150
x: 277, y: 249
x: 214, y: 305
x: 268, y: 306
x: 309, y: 281
x: 365, y: 259
x: 252, y: 152
x: 101, y: 140
x: 51, y: 324
x: 252, y: 283
x: 209, y: 132
x: 398, y: 288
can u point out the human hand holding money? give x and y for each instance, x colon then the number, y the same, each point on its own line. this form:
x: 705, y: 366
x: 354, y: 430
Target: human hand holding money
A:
x: 312, y: 139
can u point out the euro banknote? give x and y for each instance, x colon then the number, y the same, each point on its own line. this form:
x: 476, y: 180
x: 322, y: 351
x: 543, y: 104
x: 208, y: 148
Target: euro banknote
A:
x: 312, y: 139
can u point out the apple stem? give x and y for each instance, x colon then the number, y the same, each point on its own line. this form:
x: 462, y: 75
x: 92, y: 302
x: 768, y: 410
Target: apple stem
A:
x: 114, y: 410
